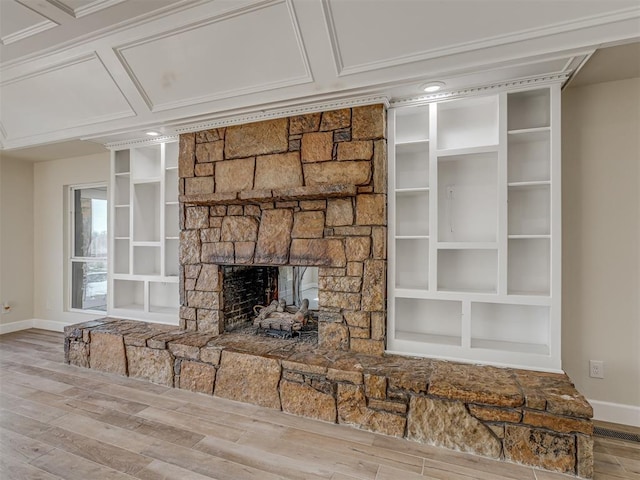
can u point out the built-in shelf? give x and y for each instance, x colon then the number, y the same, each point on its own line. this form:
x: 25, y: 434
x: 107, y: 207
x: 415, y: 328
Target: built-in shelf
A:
x: 473, y: 251
x: 143, y: 271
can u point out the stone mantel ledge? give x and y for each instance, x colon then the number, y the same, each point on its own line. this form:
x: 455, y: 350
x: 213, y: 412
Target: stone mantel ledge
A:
x: 526, y: 417
x: 313, y: 192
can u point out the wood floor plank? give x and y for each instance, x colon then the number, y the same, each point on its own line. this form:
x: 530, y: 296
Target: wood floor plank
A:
x: 64, y: 422
x: 15, y: 469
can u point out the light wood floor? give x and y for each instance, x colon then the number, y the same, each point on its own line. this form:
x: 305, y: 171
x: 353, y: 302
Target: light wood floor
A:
x: 59, y: 421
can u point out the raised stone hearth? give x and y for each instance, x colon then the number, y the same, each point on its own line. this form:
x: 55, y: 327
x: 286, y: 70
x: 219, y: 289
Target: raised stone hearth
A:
x: 520, y: 416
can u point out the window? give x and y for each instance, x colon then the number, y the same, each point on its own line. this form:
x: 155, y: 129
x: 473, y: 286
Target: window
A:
x: 88, y: 248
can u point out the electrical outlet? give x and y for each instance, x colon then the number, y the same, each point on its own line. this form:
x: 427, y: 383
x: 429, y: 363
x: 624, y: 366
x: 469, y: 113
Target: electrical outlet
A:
x: 596, y: 368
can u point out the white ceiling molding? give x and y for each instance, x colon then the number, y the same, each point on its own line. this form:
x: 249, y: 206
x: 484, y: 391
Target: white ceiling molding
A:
x: 21, y: 22
x: 141, y: 142
x: 189, y: 65
x: 167, y: 77
x: 80, y: 8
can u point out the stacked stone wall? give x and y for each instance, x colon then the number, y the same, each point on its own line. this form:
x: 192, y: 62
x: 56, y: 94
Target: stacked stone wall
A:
x: 305, y: 190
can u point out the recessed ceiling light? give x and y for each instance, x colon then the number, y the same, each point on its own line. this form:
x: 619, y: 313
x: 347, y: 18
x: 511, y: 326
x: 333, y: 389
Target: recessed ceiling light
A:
x: 153, y: 134
x: 431, y: 87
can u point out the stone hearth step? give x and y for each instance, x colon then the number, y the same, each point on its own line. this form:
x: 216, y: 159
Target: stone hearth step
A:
x: 526, y: 417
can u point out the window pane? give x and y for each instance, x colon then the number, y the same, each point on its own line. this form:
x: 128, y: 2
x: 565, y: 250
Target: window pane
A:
x: 89, y: 285
x: 90, y: 222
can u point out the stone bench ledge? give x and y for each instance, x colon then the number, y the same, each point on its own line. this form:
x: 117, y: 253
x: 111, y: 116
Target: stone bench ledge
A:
x: 526, y: 417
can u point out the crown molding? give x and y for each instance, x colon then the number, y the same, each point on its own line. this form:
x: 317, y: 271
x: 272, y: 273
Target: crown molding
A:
x: 79, y: 12
x: 522, y: 83
x: 141, y: 142
x: 28, y: 32
x: 283, y: 112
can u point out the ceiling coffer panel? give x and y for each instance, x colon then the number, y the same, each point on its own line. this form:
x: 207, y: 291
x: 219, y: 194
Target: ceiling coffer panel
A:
x: 424, y: 30
x: 254, y: 49
x: 73, y: 94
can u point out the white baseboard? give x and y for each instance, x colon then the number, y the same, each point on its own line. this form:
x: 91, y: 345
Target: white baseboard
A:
x: 33, y: 323
x: 15, y: 326
x: 49, y: 325
x: 616, y: 413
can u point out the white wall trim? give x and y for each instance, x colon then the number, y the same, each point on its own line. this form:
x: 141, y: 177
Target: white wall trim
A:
x: 15, y: 326
x: 50, y: 325
x: 616, y: 413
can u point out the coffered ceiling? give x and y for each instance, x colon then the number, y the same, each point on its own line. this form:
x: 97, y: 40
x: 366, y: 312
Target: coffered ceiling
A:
x: 108, y: 70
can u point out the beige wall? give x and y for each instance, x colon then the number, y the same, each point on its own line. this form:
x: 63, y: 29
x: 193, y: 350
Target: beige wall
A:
x: 601, y: 240
x: 16, y: 239
x: 51, y: 180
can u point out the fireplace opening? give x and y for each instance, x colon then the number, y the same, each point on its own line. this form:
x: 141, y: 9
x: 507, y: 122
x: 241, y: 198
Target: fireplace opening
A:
x: 275, y: 301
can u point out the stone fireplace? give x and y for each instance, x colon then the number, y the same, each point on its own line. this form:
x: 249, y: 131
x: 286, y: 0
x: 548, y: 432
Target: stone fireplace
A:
x: 308, y: 190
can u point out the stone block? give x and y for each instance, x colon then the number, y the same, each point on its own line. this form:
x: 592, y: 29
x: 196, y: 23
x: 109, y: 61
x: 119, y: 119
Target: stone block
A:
x: 192, y: 271
x: 371, y: 209
x: 476, y: 384
x: 448, y: 424
x: 221, y: 252
x: 212, y: 135
x: 204, y: 170
x: 492, y: 414
x: 340, y: 284
x: 196, y: 217
x: 208, y: 320
x: 304, y: 123
x: 249, y: 379
x: 235, y: 175
x: 317, y: 147
x: 367, y: 346
x: 336, y: 119
x: 352, y: 231
x: 355, y: 269
x: 189, y: 247
x: 339, y: 212
x: 187, y: 313
x: 350, y: 376
x: 257, y: 138
x: 196, y: 185
x: 584, y: 457
x: 352, y: 409
x: 354, y: 173
x: 362, y: 150
x: 375, y: 386
x: 304, y: 400
x: 210, y: 235
x: 197, y: 377
x: 107, y: 353
x: 378, y: 326
x: 553, y: 391
x: 342, y: 135
x: 308, y: 224
x: 208, y: 300
x: 210, y: 151
x: 333, y: 336
x: 379, y: 242
x: 218, y: 211
x: 387, y: 405
x: 274, y: 237
x: 357, y: 318
x: 186, y: 155
x: 244, y: 252
x: 368, y: 123
x: 211, y: 354
x: 558, y: 423
x: 540, y: 448
x: 150, y: 364
x: 239, y: 229
x: 327, y: 252
x: 77, y: 353
x: 374, y: 285
x: 380, y: 166
x: 357, y: 249
x: 252, y: 210
x: 348, y: 301
x: 278, y: 171
x: 313, y: 204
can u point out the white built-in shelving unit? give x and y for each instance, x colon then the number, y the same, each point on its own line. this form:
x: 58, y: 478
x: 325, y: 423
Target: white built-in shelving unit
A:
x: 143, y: 264
x: 474, y: 229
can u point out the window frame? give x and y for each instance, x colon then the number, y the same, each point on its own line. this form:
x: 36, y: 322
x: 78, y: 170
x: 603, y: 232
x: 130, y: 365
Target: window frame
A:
x: 71, y: 258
